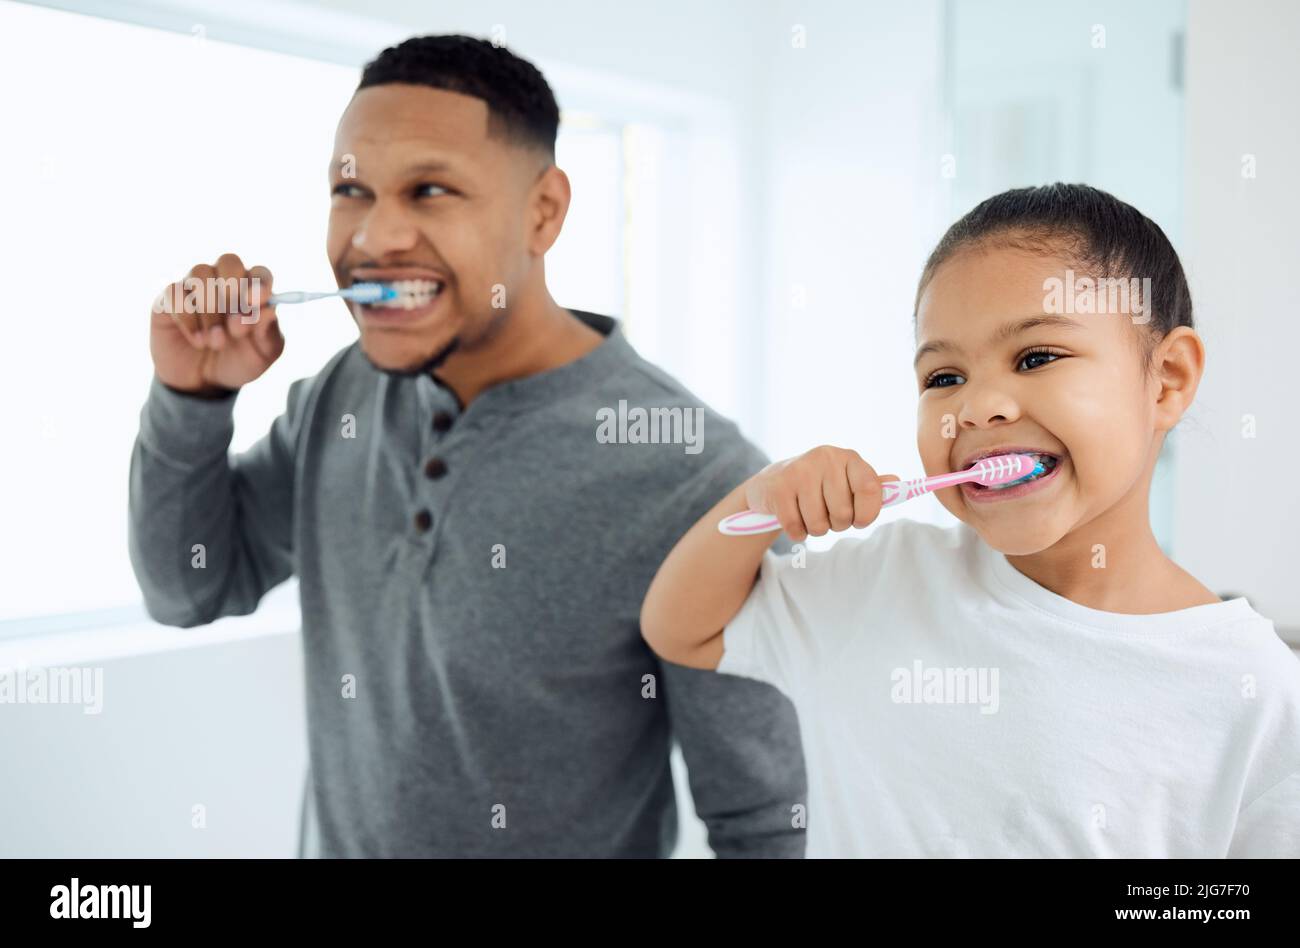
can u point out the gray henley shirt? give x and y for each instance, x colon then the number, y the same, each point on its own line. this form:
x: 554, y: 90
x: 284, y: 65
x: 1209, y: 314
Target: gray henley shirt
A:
x: 470, y: 580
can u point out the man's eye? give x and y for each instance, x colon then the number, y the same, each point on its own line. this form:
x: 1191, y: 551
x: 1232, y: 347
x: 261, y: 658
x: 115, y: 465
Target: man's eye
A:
x: 934, y: 380
x: 344, y: 190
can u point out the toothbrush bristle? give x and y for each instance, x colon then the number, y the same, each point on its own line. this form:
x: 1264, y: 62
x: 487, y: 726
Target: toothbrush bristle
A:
x: 1039, y: 468
x: 1002, y: 469
x: 1008, y: 470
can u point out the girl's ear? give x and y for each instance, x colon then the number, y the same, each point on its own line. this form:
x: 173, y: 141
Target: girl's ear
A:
x: 1177, y: 364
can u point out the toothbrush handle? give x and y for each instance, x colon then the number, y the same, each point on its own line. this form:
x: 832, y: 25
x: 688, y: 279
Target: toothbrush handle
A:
x: 366, y: 292
x: 892, y: 493
x: 300, y: 296
x: 895, y: 492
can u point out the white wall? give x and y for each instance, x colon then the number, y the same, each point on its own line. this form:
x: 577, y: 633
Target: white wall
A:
x: 853, y: 209
x: 1241, y: 248
x: 1102, y: 76
x: 210, y: 717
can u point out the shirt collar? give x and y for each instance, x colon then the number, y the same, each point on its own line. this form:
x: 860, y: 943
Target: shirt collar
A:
x: 533, y: 391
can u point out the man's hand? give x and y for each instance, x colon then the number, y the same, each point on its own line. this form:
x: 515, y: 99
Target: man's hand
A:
x: 200, y: 340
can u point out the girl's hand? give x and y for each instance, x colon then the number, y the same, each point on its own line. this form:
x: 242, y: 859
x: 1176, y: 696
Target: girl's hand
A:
x: 825, y: 489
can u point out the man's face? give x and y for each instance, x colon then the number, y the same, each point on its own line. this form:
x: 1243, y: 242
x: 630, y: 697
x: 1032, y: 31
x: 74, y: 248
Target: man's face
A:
x: 1072, y: 387
x: 421, y: 192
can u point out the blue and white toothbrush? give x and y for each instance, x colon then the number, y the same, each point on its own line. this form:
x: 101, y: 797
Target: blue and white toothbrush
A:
x: 358, y: 293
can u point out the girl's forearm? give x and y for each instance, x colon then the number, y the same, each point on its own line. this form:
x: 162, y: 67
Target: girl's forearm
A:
x: 701, y: 586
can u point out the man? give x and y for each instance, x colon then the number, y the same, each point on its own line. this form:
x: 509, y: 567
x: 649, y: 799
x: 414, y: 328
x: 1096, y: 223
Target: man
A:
x: 471, y: 548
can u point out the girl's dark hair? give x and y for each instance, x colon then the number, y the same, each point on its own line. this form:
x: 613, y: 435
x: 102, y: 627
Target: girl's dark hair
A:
x: 1103, y: 234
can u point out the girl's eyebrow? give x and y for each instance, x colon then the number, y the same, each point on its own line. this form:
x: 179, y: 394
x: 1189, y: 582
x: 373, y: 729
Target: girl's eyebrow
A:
x: 1002, y: 333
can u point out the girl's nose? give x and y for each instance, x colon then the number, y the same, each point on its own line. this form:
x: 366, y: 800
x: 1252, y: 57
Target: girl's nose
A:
x: 986, y: 405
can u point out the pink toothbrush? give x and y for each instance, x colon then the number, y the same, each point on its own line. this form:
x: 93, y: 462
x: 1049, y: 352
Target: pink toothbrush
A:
x: 991, y: 471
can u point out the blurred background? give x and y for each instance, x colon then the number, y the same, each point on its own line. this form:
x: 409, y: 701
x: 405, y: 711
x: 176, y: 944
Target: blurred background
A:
x: 756, y: 186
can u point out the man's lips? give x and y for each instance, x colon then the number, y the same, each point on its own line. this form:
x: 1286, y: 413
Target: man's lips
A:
x: 392, y: 274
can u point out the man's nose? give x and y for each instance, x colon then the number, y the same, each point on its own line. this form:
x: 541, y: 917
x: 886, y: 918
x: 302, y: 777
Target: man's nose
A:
x: 385, y: 229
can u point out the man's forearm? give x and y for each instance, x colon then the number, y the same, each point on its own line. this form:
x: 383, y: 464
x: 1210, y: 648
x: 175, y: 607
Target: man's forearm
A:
x: 198, y: 548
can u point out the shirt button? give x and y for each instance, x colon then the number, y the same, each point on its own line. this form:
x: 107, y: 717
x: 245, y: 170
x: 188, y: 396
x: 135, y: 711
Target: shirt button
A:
x: 434, y: 468
x: 423, y: 521
x: 441, y: 421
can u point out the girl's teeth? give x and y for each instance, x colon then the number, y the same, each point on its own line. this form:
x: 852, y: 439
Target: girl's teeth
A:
x: 1047, y: 462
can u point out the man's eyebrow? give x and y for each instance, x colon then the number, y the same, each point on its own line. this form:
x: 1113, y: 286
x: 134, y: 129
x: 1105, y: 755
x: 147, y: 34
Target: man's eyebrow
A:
x: 1003, y: 333
x: 428, y: 167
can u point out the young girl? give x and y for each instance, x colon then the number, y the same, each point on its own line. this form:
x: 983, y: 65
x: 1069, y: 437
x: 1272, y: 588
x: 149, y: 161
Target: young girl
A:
x: 1040, y: 680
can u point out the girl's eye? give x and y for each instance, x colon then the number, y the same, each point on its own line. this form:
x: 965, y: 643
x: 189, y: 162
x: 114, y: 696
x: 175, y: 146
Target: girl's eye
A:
x: 344, y: 190
x: 1036, y: 358
x: 1037, y: 353
x: 934, y: 380
x: 437, y: 190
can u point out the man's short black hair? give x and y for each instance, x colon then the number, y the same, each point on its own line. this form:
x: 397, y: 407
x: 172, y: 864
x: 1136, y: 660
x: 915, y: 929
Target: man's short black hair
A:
x: 520, y: 103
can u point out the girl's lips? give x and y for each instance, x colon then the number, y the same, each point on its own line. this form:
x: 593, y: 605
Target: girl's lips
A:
x: 983, y: 495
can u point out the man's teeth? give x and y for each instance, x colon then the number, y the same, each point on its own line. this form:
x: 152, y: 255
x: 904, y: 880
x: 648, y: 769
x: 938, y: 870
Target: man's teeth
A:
x: 411, y: 294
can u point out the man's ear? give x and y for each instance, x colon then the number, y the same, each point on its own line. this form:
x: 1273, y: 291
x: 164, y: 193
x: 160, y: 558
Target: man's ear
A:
x: 550, y: 204
x: 1178, y: 363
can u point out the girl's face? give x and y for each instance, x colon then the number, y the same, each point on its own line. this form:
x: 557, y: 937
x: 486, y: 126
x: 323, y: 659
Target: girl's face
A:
x: 1002, y: 368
